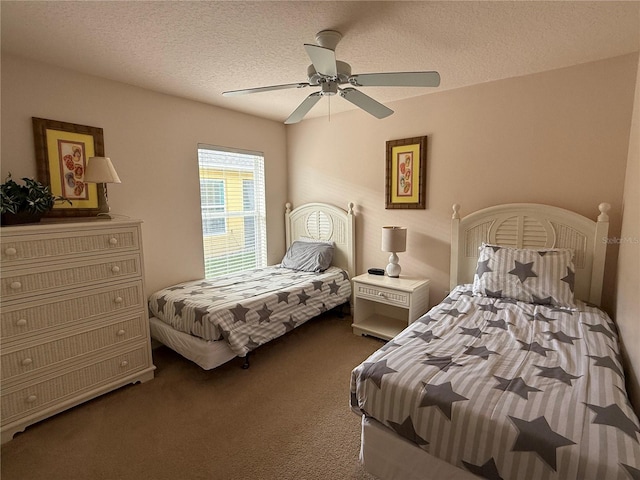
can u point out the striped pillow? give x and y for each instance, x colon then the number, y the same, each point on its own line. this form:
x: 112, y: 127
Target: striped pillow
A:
x: 543, y: 277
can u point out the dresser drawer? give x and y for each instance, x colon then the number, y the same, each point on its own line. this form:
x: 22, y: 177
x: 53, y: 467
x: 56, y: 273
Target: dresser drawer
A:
x: 19, y: 248
x: 22, y: 401
x: 32, y: 359
x: 65, y: 277
x: 383, y: 295
x: 19, y: 320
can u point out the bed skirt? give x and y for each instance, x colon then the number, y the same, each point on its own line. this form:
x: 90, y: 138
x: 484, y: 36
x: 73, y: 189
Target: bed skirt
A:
x: 206, y: 354
x: 390, y: 457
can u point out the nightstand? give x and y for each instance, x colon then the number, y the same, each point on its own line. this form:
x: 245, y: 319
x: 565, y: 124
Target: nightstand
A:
x: 384, y: 306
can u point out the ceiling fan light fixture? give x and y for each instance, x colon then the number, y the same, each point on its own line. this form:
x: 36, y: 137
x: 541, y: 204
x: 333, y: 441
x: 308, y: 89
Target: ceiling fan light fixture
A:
x: 329, y: 88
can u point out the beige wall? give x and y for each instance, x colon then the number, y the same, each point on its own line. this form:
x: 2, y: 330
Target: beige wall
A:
x: 627, y: 313
x: 559, y: 137
x: 152, y: 140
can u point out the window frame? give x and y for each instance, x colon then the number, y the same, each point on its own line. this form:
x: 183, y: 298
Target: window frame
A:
x: 238, y: 248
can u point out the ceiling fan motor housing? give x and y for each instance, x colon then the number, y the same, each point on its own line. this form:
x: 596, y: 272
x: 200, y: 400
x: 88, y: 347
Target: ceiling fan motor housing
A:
x: 344, y: 72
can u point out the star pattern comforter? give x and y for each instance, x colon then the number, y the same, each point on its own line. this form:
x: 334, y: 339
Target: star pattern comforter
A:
x: 507, y: 390
x: 251, y: 308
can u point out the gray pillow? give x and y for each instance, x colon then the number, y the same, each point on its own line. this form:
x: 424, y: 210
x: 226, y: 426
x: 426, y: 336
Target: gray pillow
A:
x: 308, y: 256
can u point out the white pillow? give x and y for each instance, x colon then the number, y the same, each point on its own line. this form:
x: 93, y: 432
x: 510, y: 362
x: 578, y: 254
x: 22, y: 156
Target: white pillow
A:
x: 544, y: 277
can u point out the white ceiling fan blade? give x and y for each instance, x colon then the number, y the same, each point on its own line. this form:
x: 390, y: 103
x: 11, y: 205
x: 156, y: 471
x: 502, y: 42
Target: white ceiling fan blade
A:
x: 232, y: 93
x: 365, y: 102
x: 323, y: 59
x: 398, y: 79
x: 303, y: 108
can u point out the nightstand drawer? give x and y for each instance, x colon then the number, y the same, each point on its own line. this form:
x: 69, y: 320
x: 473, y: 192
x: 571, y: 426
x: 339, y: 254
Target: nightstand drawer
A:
x: 383, y: 295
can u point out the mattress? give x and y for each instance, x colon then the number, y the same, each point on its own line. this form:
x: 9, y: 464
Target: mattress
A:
x: 506, y: 389
x: 251, y: 308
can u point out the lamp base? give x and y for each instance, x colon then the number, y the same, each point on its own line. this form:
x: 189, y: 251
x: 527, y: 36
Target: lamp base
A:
x: 393, y: 268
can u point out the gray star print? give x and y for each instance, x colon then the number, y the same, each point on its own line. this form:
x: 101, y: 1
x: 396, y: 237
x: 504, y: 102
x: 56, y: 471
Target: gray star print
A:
x: 483, y: 267
x: 613, y: 416
x: 487, y: 470
x: 407, y: 430
x: 558, y: 373
x: 239, y: 313
x: 523, y: 271
x: 442, y: 396
x: 375, y: 371
x: 516, y: 385
x: 536, y: 436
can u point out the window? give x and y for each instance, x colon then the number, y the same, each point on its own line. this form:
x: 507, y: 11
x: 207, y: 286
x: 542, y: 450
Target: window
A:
x: 233, y: 210
x: 212, y: 202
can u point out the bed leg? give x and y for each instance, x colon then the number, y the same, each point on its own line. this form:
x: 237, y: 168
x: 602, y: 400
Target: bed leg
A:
x: 246, y: 364
x: 339, y: 310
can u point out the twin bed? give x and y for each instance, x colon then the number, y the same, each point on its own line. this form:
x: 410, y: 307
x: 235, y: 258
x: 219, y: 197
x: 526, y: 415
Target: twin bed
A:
x: 516, y: 374
x: 213, y: 321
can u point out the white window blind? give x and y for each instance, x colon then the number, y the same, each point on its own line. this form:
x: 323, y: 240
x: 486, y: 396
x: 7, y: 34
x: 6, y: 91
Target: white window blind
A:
x: 233, y: 209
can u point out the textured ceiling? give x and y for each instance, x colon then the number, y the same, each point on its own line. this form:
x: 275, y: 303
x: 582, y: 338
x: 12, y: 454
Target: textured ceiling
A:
x: 199, y: 49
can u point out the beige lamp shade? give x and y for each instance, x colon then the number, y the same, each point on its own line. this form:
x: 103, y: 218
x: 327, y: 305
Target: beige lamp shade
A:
x: 394, y: 239
x: 100, y: 170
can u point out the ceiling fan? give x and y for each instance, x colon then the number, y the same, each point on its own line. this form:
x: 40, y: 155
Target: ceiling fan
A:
x: 330, y: 74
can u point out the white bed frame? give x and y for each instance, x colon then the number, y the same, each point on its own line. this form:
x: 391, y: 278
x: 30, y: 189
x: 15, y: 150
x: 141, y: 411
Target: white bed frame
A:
x: 522, y: 225
x: 321, y: 221
x: 530, y: 225
x: 318, y: 221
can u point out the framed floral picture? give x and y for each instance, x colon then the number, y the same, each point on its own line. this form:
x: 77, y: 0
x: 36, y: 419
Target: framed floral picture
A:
x: 62, y: 151
x: 406, y: 175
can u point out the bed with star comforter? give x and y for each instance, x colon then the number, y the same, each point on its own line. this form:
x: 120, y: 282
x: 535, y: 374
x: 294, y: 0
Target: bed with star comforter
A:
x: 507, y: 389
x: 249, y: 309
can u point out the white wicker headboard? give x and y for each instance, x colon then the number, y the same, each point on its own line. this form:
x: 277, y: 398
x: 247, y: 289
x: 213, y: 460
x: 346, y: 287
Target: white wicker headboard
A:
x: 325, y: 222
x: 529, y: 225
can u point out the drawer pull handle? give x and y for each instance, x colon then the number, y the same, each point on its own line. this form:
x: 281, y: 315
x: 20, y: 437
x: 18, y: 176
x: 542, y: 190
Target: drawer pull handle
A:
x: 26, y: 362
x: 113, y: 241
x: 22, y: 322
x: 10, y: 251
x: 31, y: 398
x: 120, y: 333
x: 117, y: 300
x: 380, y: 294
x: 115, y: 269
x: 16, y: 285
x: 124, y: 363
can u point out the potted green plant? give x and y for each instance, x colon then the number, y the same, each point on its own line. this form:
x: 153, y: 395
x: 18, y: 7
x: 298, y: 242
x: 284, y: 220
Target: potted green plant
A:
x: 25, y: 203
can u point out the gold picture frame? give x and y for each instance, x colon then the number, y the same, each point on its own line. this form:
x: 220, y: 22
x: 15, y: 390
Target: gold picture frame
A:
x: 62, y: 150
x: 406, y: 173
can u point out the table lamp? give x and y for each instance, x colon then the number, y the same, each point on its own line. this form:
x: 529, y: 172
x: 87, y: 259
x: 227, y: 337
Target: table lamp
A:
x: 394, y: 240
x: 100, y: 170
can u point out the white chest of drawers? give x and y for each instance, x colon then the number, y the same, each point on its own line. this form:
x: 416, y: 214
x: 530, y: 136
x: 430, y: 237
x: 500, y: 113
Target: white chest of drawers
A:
x: 73, y: 319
